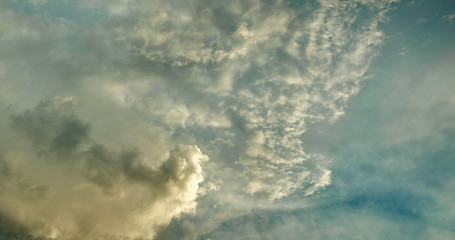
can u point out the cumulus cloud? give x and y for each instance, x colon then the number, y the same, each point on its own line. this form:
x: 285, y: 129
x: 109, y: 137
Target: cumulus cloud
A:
x: 97, y: 192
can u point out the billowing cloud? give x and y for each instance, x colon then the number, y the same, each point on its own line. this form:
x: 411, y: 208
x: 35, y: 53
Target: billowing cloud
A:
x: 88, y: 190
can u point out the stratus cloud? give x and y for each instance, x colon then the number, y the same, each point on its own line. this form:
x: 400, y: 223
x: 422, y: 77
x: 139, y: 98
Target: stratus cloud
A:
x: 89, y: 191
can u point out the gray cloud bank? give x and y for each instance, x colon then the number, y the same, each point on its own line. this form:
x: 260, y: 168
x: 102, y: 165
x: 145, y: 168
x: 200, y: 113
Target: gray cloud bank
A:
x: 104, y: 106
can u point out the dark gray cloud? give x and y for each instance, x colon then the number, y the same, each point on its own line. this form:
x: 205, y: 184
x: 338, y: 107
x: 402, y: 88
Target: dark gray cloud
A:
x: 53, y: 128
x: 10, y: 229
x: 5, y: 168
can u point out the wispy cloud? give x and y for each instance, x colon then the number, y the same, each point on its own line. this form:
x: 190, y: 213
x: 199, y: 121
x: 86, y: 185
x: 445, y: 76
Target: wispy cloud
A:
x: 448, y: 18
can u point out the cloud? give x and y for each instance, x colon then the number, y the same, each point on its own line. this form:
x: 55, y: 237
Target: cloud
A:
x: 393, y: 174
x: 448, y: 18
x: 93, y: 195
x: 53, y: 127
x: 263, y: 71
x: 5, y: 168
x: 240, y: 79
x: 404, y: 51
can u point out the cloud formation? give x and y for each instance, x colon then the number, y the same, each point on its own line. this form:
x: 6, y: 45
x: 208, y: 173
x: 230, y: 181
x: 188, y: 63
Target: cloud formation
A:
x: 119, y: 84
x: 91, y: 191
x: 258, y: 71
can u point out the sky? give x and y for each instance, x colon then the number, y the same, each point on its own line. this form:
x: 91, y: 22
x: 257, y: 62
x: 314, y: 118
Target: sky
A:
x: 242, y: 119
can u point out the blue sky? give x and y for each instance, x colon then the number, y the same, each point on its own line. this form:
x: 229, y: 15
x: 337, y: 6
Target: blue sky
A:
x: 133, y: 119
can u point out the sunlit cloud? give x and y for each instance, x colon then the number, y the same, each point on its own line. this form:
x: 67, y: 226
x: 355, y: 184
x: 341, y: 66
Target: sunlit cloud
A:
x: 119, y: 117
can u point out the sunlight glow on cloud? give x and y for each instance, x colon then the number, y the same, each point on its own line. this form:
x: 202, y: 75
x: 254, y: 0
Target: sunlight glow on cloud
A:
x: 99, y: 192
